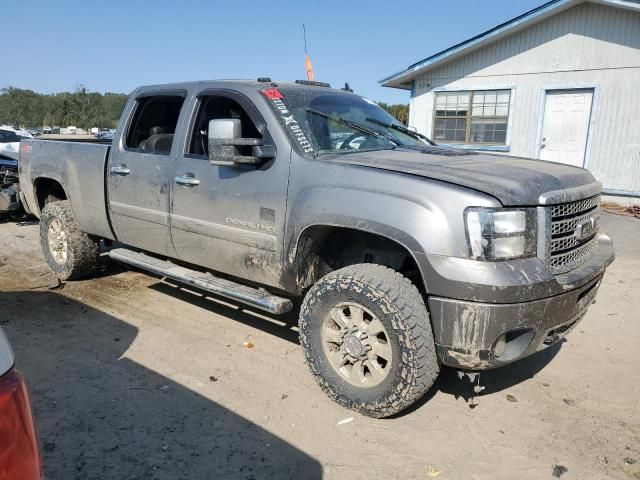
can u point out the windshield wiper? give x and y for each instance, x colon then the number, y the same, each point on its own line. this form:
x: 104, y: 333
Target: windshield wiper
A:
x: 400, y: 128
x: 352, y: 124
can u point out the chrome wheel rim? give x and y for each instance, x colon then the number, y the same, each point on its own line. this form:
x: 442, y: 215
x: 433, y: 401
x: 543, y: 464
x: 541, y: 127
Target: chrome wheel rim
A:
x: 57, y: 240
x: 357, y: 345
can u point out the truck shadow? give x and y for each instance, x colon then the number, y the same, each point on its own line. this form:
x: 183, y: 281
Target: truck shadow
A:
x: 448, y: 382
x: 101, y: 415
x: 493, y: 381
x: 21, y: 222
x: 283, y: 326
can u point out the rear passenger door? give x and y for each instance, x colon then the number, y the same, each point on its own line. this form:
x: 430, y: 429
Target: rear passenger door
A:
x: 229, y: 218
x: 139, y: 172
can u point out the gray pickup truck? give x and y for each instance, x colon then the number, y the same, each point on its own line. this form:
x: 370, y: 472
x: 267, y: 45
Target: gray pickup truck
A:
x: 407, y: 255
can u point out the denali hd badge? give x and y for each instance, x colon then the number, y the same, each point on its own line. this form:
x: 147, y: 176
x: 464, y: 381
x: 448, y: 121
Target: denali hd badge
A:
x: 252, y: 225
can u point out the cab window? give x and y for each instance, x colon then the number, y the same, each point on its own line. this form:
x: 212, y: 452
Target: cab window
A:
x: 219, y: 107
x: 154, y: 124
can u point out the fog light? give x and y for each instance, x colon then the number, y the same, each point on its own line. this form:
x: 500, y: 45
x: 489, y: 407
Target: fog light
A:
x: 500, y: 346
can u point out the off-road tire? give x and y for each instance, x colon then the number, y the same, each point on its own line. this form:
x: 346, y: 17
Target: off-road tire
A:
x: 82, y: 250
x: 380, y: 290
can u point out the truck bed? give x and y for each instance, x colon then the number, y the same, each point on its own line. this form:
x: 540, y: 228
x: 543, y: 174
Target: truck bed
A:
x: 80, y: 167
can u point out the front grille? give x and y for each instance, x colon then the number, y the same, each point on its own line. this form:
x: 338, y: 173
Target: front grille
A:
x: 572, y: 233
x: 575, y: 207
x: 568, y: 225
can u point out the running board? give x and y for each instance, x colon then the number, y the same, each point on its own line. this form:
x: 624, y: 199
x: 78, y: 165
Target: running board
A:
x: 256, y: 297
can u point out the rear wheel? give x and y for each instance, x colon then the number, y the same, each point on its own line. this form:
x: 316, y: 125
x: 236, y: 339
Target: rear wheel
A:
x: 368, y: 340
x: 69, y: 252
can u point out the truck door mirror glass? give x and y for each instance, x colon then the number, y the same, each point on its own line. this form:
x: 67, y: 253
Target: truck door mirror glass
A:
x: 221, y: 131
x: 228, y: 147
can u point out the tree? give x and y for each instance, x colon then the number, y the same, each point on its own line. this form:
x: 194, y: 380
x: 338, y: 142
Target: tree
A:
x: 81, y: 108
x: 48, y: 119
x: 399, y: 111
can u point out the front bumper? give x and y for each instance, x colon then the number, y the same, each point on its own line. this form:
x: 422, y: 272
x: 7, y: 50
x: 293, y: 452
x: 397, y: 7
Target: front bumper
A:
x: 478, y: 335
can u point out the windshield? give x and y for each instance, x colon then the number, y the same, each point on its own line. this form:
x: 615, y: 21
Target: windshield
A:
x: 331, y: 122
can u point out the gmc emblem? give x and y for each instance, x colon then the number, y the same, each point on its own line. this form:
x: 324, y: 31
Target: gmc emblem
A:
x: 585, y: 229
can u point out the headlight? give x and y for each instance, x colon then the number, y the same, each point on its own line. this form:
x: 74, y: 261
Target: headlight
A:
x: 501, y: 234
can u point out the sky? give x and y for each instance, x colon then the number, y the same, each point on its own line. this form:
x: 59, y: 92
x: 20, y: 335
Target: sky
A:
x: 117, y: 45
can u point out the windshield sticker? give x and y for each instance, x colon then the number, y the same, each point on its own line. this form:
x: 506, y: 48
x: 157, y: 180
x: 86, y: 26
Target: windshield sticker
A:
x: 287, y: 118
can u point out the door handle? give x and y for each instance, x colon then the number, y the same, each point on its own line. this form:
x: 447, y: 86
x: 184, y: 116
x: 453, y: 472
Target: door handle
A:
x: 120, y: 170
x: 187, y: 181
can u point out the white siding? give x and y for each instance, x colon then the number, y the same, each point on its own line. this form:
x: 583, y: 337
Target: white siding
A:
x: 586, y: 46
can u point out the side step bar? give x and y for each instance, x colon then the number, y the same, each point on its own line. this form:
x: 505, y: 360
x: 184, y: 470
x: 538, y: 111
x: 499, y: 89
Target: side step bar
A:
x: 255, y: 297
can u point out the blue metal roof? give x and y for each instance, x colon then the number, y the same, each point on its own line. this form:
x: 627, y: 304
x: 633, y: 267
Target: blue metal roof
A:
x: 525, y: 17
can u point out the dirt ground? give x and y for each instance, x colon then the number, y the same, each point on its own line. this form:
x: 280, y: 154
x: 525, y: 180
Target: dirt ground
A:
x: 135, y: 378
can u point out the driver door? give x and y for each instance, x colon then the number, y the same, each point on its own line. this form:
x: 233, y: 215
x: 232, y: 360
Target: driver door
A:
x: 229, y: 218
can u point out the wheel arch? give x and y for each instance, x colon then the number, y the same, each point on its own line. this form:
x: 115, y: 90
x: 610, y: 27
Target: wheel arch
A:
x: 324, y: 247
x: 44, y: 187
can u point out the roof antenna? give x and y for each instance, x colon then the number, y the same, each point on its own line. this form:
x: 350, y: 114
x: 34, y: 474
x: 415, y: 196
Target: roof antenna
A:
x: 307, y: 60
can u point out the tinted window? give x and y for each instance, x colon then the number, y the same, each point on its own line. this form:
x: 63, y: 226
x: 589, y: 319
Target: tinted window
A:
x: 154, y: 123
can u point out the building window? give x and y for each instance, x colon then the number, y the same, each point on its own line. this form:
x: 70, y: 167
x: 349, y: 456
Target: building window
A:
x: 474, y: 117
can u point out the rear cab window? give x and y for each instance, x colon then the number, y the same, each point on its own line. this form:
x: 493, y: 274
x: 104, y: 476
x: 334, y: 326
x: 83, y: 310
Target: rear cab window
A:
x: 153, y: 126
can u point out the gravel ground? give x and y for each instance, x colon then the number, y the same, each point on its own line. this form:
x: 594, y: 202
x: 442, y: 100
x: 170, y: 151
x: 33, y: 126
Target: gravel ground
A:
x: 135, y: 378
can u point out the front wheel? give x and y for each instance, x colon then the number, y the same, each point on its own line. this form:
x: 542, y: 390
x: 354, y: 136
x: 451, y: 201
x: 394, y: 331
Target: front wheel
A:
x: 367, y: 339
x: 69, y: 252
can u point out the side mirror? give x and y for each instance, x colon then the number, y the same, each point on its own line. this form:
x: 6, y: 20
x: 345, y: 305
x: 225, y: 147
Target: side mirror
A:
x: 225, y: 140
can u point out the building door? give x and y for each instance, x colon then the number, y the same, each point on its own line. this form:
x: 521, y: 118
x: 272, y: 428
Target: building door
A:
x: 566, y: 126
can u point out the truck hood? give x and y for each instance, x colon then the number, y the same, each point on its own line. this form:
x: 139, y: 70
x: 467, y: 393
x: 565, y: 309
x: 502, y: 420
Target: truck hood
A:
x: 514, y: 181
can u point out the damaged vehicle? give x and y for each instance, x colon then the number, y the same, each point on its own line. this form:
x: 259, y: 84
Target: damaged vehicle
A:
x: 10, y: 204
x: 407, y: 256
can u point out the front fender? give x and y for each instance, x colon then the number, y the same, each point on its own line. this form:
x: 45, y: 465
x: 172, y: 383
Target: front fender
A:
x: 425, y: 217
x: 339, y: 208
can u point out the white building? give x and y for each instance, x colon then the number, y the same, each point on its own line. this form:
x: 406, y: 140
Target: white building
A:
x: 559, y: 83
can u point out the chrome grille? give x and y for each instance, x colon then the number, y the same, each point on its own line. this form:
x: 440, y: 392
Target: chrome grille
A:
x: 568, y: 225
x: 575, y: 207
x: 568, y: 245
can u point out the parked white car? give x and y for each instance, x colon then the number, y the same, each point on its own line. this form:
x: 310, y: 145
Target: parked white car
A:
x: 10, y: 141
x: 9, y: 144
x: 20, y: 132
